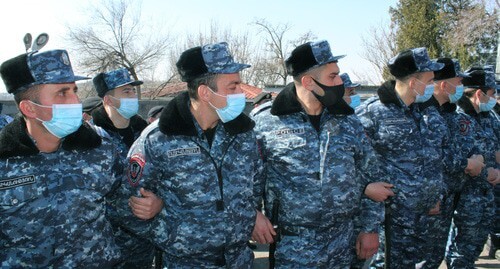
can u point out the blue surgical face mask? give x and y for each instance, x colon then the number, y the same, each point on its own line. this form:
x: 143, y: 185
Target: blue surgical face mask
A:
x: 234, y: 106
x: 128, y: 107
x: 355, y: 101
x: 429, y: 90
x: 459, y: 91
x: 66, y: 119
x: 484, y: 107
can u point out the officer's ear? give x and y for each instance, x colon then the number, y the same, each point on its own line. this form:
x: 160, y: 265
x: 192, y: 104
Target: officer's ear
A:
x: 27, y: 108
x: 203, y: 93
x: 307, y: 82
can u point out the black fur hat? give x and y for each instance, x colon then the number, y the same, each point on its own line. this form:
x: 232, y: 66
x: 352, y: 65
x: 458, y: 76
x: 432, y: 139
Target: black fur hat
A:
x: 412, y: 61
x: 308, y: 56
x: 451, y: 69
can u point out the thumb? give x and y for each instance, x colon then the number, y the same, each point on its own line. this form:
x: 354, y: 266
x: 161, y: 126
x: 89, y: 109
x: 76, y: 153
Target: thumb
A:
x: 145, y: 193
x: 387, y: 185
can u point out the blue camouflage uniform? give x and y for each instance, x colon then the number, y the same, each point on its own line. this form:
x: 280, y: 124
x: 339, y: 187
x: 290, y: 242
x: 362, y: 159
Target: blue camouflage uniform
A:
x: 208, y: 191
x: 4, y: 120
x: 318, y: 177
x: 137, y: 252
x: 52, y: 204
x: 457, y: 146
x: 475, y: 209
x: 408, y: 149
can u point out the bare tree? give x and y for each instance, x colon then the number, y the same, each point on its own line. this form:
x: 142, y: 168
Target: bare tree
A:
x: 114, y: 37
x: 273, y: 67
x: 380, y: 46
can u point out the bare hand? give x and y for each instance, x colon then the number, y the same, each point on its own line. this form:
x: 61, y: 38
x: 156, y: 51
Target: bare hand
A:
x: 379, y: 191
x: 474, y: 165
x: 263, y: 231
x: 435, y: 210
x: 147, y: 206
x: 366, y: 245
x: 493, y: 176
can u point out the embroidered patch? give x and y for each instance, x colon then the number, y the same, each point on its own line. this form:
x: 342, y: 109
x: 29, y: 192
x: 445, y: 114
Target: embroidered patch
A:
x: 464, y: 127
x: 395, y: 121
x: 287, y: 131
x: 16, y: 182
x: 183, y: 151
x: 135, y: 168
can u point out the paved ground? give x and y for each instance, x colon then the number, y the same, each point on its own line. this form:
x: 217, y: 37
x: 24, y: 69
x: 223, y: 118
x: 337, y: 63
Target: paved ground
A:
x: 261, y: 261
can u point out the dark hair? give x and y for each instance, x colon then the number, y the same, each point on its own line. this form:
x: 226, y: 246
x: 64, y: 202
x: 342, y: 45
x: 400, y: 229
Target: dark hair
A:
x: 209, y: 80
x: 32, y: 93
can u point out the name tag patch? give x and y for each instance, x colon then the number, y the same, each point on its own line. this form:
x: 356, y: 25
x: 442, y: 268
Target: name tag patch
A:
x: 392, y: 121
x: 16, y: 182
x: 183, y: 151
x: 284, y: 132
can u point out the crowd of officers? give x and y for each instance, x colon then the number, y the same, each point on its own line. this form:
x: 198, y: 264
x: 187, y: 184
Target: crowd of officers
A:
x: 403, y: 180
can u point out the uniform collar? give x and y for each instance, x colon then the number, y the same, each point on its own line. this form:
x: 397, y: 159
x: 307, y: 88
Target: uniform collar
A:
x: 176, y: 119
x: 388, y: 95
x: 15, y: 141
x: 432, y: 102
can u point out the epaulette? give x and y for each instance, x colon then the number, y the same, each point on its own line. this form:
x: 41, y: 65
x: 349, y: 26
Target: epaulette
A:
x: 261, y: 108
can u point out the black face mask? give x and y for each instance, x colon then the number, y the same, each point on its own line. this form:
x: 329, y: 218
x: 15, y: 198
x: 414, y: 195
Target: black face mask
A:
x: 333, y: 94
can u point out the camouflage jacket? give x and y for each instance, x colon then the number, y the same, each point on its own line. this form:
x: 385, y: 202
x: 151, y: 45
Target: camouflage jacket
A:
x: 318, y: 177
x: 52, y: 204
x: 486, y: 141
x: 401, y: 136
x: 4, y: 120
x: 208, y: 191
x: 461, y: 128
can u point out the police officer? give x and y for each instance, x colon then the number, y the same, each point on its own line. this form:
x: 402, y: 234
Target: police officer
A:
x: 351, y: 96
x: 154, y: 113
x: 201, y: 158
x: 475, y: 207
x: 458, y: 153
x: 397, y: 132
x: 55, y: 171
x: 89, y: 105
x: 118, y: 117
x: 318, y: 162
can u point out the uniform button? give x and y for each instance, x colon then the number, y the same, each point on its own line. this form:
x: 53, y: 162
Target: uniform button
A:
x: 93, y: 185
x: 15, y: 201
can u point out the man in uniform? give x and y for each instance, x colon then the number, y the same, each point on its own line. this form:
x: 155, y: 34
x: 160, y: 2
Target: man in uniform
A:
x: 398, y: 131
x: 458, y: 153
x: 56, y: 172
x: 318, y: 162
x: 118, y: 117
x: 475, y: 208
x: 201, y: 158
x: 351, y: 96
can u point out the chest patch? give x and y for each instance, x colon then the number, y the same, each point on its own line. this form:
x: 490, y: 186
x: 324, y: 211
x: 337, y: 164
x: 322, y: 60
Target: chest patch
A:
x: 284, y: 132
x: 16, y: 182
x: 183, y: 151
x: 135, y: 168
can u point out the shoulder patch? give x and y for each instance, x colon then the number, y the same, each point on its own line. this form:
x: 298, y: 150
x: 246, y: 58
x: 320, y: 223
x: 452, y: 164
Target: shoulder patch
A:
x: 135, y: 168
x: 464, y: 126
x: 16, y: 182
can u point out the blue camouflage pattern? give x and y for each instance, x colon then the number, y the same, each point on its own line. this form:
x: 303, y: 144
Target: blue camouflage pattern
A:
x: 218, y: 59
x: 322, y: 53
x: 194, y: 229
x: 53, y: 209
x: 347, y: 81
x: 475, y: 210
x: 318, y: 178
x: 4, y: 120
x: 136, y: 252
x: 118, y: 78
x: 408, y: 149
x: 51, y: 67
